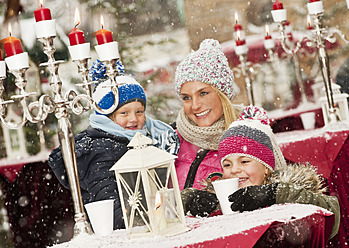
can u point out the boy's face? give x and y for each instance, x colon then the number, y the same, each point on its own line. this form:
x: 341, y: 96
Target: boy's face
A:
x: 201, y: 103
x: 249, y: 171
x: 131, y: 116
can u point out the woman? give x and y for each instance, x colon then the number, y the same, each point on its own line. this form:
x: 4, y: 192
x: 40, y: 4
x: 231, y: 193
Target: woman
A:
x: 205, y: 83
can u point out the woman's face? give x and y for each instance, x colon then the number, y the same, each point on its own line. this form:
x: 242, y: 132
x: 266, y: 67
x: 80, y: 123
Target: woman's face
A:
x: 131, y: 116
x: 201, y: 103
x: 249, y: 171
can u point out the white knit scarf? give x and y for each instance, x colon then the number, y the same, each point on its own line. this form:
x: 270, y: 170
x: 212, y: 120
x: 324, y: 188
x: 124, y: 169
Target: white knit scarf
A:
x: 203, y: 137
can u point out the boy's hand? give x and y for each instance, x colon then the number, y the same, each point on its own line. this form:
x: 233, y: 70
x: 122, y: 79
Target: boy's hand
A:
x: 253, y: 197
x: 201, y: 203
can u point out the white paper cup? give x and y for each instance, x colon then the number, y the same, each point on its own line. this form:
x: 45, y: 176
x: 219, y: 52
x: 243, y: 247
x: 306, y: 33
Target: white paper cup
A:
x: 101, y: 215
x: 308, y: 120
x: 223, y: 189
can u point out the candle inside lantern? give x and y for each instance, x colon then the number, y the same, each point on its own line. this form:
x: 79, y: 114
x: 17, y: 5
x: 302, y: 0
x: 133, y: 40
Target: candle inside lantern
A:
x: 42, y: 13
x: 237, y: 26
x: 267, y: 35
x: 12, y: 45
x: 76, y: 36
x: 103, y: 36
x: 160, y: 220
x: 277, y: 5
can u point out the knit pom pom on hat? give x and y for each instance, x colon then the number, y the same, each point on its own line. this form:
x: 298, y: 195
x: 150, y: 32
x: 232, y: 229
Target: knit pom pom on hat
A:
x: 249, y: 136
x: 209, y: 65
x: 128, y: 88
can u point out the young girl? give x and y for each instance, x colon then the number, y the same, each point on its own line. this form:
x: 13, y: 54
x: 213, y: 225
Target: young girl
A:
x: 103, y: 143
x: 246, y: 152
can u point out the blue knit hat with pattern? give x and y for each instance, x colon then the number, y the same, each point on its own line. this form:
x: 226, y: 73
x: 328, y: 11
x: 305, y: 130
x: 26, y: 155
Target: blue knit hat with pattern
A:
x: 129, y: 91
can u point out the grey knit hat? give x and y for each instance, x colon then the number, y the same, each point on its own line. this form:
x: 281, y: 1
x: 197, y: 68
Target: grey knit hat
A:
x: 209, y: 65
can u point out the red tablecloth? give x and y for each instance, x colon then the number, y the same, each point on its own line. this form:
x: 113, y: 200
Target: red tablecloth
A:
x: 289, y: 225
x: 319, y: 147
x: 10, y: 168
x: 328, y: 150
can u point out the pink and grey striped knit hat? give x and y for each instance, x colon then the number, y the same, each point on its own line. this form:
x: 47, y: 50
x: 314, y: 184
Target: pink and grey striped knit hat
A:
x: 209, y: 65
x: 249, y: 136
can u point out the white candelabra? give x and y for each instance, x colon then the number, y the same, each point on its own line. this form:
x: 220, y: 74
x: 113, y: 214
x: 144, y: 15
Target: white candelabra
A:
x: 318, y: 39
x: 60, y: 103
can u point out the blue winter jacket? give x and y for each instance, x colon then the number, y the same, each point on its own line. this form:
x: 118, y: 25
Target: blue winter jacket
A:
x: 96, y: 152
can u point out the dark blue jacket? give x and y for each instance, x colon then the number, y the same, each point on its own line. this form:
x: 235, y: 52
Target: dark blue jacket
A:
x: 96, y: 152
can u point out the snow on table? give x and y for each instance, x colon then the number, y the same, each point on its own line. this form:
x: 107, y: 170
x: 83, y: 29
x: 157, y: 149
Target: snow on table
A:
x: 202, y: 229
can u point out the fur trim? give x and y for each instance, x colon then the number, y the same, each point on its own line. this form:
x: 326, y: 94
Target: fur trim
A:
x: 303, y: 175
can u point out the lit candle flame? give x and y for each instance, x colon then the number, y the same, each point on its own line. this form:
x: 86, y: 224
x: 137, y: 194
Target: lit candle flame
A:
x: 9, y: 29
x: 236, y: 17
x: 41, y: 3
x: 266, y: 29
x: 238, y: 34
x: 77, y: 17
x: 308, y: 20
x: 157, y: 200
x: 102, y: 21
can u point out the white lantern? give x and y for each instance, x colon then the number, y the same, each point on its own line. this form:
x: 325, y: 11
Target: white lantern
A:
x: 149, y: 191
x: 341, y: 105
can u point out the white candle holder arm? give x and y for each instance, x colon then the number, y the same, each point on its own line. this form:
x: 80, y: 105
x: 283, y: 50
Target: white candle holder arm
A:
x: 247, y: 69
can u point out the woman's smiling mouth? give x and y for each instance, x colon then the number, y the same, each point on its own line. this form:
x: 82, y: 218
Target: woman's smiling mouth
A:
x: 202, y: 113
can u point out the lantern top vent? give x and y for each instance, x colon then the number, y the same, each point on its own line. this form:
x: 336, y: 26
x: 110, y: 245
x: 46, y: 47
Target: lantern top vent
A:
x: 140, y: 141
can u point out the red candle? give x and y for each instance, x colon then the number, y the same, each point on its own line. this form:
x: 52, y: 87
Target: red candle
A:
x: 12, y: 46
x: 76, y: 36
x: 312, y: 1
x: 267, y: 35
x: 277, y: 5
x: 103, y: 35
x: 240, y: 42
x: 42, y: 13
x: 237, y: 26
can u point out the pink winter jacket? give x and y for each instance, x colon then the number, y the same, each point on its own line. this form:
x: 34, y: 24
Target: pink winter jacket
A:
x: 186, y: 155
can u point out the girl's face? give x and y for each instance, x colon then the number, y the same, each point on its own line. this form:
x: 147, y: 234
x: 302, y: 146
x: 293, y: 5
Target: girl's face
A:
x: 201, y: 103
x: 131, y: 116
x: 249, y: 171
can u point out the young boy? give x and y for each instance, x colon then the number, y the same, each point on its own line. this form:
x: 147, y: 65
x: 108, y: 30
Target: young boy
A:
x: 246, y: 152
x: 105, y: 141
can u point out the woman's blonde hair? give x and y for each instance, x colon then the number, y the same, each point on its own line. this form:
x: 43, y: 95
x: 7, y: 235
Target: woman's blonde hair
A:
x: 229, y: 111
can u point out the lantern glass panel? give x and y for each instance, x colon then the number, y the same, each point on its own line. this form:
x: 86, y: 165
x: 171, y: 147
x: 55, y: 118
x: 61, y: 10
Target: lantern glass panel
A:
x: 134, y: 197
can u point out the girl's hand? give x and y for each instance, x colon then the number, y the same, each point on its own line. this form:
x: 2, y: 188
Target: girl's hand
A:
x: 253, y: 197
